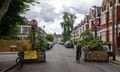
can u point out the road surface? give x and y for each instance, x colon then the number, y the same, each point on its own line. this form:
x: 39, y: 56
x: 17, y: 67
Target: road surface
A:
x: 61, y: 59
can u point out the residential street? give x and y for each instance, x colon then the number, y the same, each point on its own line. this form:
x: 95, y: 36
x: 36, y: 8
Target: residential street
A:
x: 60, y: 59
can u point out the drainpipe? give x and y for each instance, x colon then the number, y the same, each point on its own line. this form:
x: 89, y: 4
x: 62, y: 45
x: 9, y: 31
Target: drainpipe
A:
x: 113, y: 31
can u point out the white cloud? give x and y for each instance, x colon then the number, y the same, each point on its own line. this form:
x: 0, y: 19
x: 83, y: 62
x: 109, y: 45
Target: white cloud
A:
x: 49, y: 12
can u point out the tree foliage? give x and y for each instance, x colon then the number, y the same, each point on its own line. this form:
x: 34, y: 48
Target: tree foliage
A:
x: 67, y: 25
x: 87, y: 40
x: 39, y: 38
x: 86, y: 35
x: 12, y: 17
x: 49, y: 37
x: 4, y: 5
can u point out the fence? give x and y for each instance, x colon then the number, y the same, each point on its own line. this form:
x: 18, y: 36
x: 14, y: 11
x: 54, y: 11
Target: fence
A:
x: 13, y: 45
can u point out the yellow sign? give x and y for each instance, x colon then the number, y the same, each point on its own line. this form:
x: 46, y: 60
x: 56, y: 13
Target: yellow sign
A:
x: 30, y: 55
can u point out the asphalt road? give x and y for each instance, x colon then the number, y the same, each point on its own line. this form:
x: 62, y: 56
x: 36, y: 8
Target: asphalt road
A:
x: 7, y: 60
x: 60, y: 59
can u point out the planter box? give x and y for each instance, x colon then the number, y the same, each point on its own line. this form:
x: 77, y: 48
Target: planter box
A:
x: 41, y: 56
x: 34, y: 56
x: 99, y: 56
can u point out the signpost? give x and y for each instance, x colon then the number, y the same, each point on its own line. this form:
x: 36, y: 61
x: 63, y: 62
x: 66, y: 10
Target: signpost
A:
x: 96, y: 24
x: 34, y: 54
x: 33, y: 23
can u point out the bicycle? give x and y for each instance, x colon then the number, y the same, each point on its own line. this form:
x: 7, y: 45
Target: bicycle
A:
x: 20, y: 60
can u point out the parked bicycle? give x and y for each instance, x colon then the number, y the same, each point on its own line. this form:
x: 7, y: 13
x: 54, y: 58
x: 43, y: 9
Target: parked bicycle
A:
x: 20, y: 59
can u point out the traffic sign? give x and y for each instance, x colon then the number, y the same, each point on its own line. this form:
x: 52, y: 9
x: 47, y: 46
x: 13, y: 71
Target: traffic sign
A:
x: 96, y: 22
x: 33, y: 23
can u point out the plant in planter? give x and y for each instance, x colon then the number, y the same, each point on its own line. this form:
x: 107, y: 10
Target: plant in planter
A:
x: 95, y: 44
x: 87, y: 40
x: 95, y: 50
x: 39, y: 44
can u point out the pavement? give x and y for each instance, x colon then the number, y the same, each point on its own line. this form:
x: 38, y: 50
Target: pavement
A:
x: 116, y: 62
x: 7, y: 60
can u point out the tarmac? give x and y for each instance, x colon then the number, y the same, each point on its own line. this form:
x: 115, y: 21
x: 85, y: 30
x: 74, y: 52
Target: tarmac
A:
x: 7, y: 61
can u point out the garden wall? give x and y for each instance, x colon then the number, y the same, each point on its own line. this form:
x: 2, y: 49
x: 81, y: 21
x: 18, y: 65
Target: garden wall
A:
x: 5, y: 45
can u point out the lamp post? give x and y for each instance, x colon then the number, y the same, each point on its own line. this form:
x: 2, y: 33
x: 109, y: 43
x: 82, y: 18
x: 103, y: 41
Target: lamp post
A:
x: 33, y: 37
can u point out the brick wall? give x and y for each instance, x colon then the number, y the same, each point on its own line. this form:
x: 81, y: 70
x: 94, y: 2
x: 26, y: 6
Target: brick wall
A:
x: 118, y: 13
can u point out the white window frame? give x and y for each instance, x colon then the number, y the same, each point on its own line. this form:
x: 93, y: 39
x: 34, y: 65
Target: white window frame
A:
x: 110, y: 14
x: 103, y: 18
x: 90, y: 24
x: 103, y: 36
x: 110, y: 35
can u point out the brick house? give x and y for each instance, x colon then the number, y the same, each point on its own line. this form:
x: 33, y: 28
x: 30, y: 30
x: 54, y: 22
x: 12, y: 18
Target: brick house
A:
x: 75, y: 35
x: 23, y: 31
x: 86, y: 22
x: 107, y: 21
x: 94, y: 20
x: 101, y: 17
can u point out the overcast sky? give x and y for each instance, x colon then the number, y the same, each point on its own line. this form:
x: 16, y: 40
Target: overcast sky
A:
x: 50, y: 12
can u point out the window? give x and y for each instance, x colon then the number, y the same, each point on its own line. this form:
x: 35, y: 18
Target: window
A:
x: 110, y: 36
x: 110, y: 14
x: 103, y: 19
x: 23, y: 30
x: 90, y: 25
x: 103, y: 36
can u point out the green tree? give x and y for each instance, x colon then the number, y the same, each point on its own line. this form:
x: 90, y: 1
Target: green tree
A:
x: 12, y: 16
x: 49, y: 37
x: 67, y: 25
x: 4, y: 5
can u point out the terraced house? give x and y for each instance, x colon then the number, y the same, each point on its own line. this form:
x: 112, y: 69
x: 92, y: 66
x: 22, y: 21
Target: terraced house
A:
x: 104, y: 23
x: 110, y: 18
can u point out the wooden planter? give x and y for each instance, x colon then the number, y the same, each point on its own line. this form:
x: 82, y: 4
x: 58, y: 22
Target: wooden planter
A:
x: 98, y: 56
x: 41, y: 56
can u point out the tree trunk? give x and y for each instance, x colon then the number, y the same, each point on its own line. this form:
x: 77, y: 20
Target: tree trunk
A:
x: 4, y: 8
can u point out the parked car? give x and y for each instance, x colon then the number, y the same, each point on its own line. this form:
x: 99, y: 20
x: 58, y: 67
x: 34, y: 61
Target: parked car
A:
x: 61, y: 43
x: 49, y: 45
x: 68, y: 44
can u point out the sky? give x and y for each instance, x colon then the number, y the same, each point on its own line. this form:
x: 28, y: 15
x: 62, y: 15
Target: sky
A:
x: 49, y: 12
